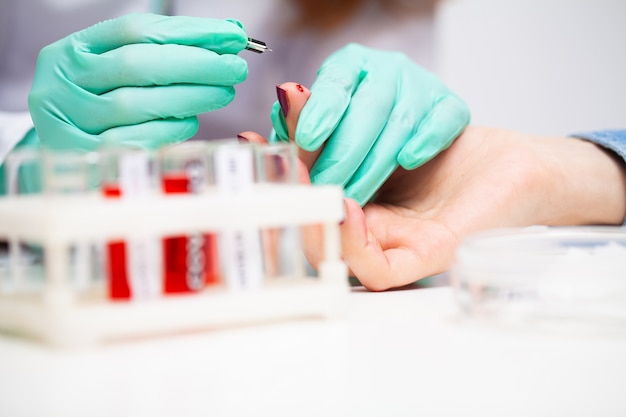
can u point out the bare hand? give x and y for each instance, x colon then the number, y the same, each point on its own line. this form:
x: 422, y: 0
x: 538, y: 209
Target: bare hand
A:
x: 488, y: 178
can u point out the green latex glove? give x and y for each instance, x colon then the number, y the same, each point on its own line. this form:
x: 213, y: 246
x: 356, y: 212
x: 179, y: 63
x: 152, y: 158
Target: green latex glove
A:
x: 29, y: 174
x: 139, y: 80
x: 373, y: 110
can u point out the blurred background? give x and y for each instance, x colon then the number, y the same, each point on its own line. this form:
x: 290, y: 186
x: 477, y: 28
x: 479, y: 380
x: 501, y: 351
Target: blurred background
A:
x: 537, y: 66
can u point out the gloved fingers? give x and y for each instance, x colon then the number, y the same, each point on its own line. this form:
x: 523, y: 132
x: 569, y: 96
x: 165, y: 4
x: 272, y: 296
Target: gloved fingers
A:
x: 437, y: 131
x: 129, y: 106
x: 66, y: 136
x: 279, y: 124
x: 221, y: 36
x: 271, y: 137
x: 140, y: 65
x: 354, y: 136
x: 151, y: 135
x: 379, y: 164
x: 337, y: 80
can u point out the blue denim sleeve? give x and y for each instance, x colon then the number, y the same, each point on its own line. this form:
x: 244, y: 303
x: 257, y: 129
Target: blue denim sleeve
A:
x: 614, y: 140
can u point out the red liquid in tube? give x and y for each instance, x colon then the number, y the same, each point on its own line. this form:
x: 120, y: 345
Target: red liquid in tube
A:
x: 189, y: 262
x: 118, y: 286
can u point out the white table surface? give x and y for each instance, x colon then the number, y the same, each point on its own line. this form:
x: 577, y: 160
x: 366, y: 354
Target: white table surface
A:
x: 398, y: 353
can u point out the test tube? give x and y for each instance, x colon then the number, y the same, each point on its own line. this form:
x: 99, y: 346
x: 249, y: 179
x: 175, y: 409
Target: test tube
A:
x: 277, y: 165
x: 190, y: 261
x: 68, y: 172
x: 133, y: 264
x: 18, y: 163
x: 18, y: 261
x: 54, y: 173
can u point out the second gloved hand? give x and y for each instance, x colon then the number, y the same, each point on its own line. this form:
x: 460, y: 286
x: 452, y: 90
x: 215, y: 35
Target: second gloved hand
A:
x: 139, y: 80
x: 373, y: 110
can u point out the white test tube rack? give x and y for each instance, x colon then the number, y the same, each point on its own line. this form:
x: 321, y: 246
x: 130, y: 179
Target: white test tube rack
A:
x: 58, y: 316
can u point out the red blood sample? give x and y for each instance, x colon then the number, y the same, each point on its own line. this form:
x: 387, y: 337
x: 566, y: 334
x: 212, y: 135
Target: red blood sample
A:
x: 118, y: 287
x: 175, y: 185
x: 111, y: 190
x: 189, y: 262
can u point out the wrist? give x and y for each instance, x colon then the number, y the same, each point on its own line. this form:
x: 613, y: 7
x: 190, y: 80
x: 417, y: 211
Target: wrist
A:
x: 588, y: 183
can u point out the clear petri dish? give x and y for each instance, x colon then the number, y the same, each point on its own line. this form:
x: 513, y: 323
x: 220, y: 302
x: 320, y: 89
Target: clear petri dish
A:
x: 572, y: 276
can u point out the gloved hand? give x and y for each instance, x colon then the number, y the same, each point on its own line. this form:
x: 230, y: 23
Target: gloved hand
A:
x: 373, y: 110
x: 138, y: 80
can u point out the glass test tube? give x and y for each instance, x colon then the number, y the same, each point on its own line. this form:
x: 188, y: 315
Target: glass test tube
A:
x: 55, y: 173
x: 251, y: 255
x: 276, y: 165
x: 190, y: 261
x: 67, y: 172
x: 133, y: 264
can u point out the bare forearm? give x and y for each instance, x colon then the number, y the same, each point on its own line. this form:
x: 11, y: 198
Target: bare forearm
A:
x: 589, y: 183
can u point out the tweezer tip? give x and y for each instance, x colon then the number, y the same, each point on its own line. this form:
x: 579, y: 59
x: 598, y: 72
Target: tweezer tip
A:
x: 257, y: 46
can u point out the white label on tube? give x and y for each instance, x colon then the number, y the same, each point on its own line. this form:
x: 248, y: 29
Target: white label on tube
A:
x: 142, y: 267
x: 241, y: 248
x: 234, y: 169
x: 142, y: 264
x: 241, y: 256
x: 134, y: 174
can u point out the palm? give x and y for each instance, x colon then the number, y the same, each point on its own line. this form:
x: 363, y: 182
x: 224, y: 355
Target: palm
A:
x: 418, y: 217
x: 487, y: 178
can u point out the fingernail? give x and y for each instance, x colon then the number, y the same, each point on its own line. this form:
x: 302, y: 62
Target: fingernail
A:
x: 243, y: 139
x: 282, y: 100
